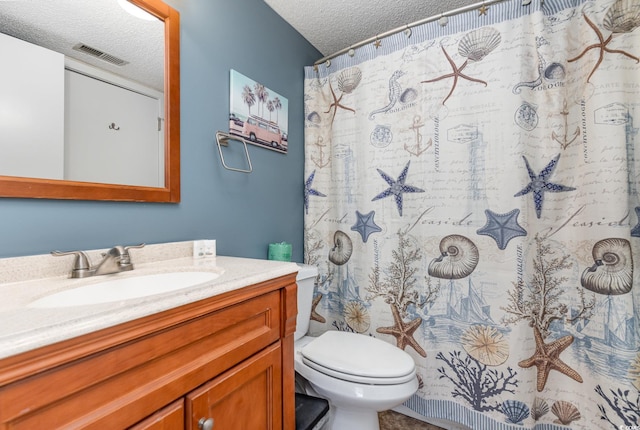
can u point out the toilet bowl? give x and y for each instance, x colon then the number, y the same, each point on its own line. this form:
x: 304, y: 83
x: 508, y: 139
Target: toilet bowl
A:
x: 358, y: 374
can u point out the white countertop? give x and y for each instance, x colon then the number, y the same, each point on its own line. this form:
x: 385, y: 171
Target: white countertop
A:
x: 23, y: 328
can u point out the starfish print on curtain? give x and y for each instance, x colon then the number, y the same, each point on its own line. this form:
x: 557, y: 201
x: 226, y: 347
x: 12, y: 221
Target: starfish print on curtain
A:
x: 540, y: 183
x: 403, y: 332
x: 635, y: 231
x: 397, y: 187
x: 502, y: 227
x: 474, y: 46
x: 315, y: 316
x: 616, y: 22
x: 308, y: 191
x: 547, y: 358
x: 366, y: 225
x: 336, y: 104
x: 348, y: 81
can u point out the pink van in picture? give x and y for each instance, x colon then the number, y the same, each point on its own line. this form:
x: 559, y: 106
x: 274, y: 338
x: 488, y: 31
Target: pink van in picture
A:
x: 260, y: 130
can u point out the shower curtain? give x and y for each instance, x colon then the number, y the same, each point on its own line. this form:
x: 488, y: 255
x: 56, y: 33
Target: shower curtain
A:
x: 471, y: 196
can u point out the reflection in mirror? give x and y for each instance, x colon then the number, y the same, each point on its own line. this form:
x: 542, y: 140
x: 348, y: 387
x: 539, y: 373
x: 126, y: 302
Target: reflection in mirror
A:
x: 89, y: 107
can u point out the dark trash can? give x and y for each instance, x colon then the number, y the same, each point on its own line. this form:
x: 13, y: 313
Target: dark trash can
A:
x: 310, y: 412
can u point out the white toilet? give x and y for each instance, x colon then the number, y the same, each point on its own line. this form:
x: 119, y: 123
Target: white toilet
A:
x: 358, y: 374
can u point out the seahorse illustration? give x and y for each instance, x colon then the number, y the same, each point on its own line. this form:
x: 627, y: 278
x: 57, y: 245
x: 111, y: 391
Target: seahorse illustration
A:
x: 395, y: 90
x: 551, y: 73
x: 517, y: 89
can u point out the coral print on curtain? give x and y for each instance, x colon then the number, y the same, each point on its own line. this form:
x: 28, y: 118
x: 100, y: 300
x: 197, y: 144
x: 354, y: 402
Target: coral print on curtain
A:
x: 472, y: 197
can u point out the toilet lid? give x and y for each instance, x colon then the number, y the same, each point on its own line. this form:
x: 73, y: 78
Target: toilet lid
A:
x: 358, y: 358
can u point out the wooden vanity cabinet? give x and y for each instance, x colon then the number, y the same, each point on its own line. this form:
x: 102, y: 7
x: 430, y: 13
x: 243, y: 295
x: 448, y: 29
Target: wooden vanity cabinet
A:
x: 227, y: 359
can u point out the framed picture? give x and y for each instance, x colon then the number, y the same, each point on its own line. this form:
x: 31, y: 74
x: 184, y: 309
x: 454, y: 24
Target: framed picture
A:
x: 258, y: 114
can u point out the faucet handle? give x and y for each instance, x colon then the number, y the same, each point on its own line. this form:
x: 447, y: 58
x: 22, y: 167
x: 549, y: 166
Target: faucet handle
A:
x: 121, y: 251
x: 127, y: 248
x: 124, y: 253
x: 81, y: 263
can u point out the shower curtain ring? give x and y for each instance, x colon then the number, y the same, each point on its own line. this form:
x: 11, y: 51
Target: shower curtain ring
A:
x: 407, y: 31
x: 444, y: 20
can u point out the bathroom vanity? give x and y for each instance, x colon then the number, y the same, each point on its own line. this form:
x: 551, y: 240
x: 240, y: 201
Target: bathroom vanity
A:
x: 218, y: 355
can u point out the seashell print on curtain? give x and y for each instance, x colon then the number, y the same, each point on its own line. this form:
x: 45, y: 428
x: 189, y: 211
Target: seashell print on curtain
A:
x: 472, y: 197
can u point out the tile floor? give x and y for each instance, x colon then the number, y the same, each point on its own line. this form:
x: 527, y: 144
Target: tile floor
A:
x: 390, y: 420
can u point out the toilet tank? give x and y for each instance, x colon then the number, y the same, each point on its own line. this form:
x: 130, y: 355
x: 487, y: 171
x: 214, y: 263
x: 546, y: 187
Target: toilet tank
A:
x: 306, y: 281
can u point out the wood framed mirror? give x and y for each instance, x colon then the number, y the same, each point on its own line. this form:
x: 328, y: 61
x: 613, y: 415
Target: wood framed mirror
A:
x: 20, y: 186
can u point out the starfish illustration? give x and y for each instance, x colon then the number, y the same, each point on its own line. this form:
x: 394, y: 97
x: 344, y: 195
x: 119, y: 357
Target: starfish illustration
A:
x: 547, y: 358
x: 540, y: 183
x: 308, y: 191
x: 365, y: 225
x: 403, y: 332
x: 635, y: 231
x: 397, y: 187
x: 602, y: 45
x: 315, y: 316
x: 455, y: 74
x: 502, y: 227
x: 336, y: 104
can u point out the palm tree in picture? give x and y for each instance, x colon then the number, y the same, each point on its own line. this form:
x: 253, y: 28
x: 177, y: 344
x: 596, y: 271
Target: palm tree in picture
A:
x: 270, y: 107
x: 262, y: 94
x: 277, y: 105
x: 248, y: 97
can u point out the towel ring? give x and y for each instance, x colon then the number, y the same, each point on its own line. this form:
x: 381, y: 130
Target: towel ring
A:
x: 222, y: 139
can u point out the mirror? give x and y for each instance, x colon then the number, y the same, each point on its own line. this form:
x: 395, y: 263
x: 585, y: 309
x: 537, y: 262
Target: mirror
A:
x: 167, y: 90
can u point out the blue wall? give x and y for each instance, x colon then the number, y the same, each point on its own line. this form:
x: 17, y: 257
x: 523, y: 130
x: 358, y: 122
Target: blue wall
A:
x: 243, y: 212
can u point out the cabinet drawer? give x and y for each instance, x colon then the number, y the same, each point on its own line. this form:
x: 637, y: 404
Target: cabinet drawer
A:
x: 120, y: 386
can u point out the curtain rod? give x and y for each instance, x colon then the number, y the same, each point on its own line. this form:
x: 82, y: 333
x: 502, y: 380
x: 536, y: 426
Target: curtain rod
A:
x: 413, y: 24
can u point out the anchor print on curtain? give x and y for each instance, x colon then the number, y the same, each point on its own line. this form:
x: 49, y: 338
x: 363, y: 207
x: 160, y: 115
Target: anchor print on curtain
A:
x: 472, y: 197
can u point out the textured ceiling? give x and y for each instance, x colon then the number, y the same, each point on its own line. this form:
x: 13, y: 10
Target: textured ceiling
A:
x: 332, y: 25
x: 329, y: 25
x: 102, y: 24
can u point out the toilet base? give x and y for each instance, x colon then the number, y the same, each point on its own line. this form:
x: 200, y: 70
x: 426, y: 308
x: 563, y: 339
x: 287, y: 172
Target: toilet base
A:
x: 353, y: 419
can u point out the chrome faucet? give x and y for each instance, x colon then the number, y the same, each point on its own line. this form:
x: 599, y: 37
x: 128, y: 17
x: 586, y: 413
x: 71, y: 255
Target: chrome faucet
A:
x: 117, y: 259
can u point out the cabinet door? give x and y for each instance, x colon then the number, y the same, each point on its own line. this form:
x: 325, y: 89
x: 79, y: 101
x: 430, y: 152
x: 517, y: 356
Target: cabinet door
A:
x: 248, y: 396
x: 170, y: 417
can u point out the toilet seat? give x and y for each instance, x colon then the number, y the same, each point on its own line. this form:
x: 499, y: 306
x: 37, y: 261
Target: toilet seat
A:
x: 359, y: 379
x: 358, y: 358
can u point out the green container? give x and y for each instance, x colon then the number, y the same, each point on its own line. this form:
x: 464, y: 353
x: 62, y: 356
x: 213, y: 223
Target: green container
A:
x: 280, y: 251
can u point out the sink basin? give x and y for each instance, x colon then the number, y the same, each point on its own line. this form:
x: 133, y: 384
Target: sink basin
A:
x: 113, y: 290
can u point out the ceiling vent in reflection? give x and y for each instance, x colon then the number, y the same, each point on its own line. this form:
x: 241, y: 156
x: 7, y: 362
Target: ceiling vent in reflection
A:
x: 99, y: 54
